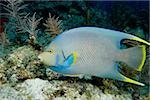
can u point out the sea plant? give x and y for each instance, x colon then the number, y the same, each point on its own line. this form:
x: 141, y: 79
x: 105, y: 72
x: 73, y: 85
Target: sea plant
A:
x: 23, y: 22
x: 30, y: 25
x: 14, y: 11
x: 3, y: 39
x: 14, y: 8
x: 53, y: 25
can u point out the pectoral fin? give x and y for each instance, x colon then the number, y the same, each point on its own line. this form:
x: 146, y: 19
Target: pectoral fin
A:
x: 71, y: 59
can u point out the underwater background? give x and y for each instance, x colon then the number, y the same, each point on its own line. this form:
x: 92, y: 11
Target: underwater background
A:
x: 26, y: 27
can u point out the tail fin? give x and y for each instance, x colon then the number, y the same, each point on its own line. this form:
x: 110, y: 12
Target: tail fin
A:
x: 134, y: 57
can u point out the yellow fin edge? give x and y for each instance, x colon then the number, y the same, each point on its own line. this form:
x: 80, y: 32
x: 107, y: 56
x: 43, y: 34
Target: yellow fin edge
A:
x: 126, y: 79
x: 75, y: 57
x: 140, y: 40
x: 72, y: 75
x: 143, y: 51
x: 74, y: 61
x: 143, y: 59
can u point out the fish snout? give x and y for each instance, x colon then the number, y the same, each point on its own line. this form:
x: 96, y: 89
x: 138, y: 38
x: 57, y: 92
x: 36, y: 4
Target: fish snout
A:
x: 46, y: 58
x: 40, y: 58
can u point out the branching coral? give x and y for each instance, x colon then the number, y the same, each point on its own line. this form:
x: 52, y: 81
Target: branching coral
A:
x: 14, y: 8
x: 23, y: 23
x: 53, y: 25
x: 3, y: 39
x: 30, y: 24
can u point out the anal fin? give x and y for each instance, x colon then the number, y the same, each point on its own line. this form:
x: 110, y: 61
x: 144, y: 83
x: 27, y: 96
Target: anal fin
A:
x: 72, y: 75
x: 115, y: 74
x: 126, y: 79
x: 118, y: 76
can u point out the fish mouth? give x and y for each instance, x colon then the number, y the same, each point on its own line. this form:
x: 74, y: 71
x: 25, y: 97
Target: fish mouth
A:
x: 40, y: 59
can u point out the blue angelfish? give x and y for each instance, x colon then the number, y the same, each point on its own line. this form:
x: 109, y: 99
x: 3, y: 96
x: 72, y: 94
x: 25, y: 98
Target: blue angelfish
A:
x: 94, y: 52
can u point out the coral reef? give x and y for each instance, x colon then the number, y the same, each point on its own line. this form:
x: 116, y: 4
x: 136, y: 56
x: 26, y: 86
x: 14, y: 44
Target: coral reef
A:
x: 19, y: 68
x: 9, y: 93
x: 34, y: 89
x: 23, y: 23
x: 17, y: 73
x: 23, y: 36
x: 20, y: 65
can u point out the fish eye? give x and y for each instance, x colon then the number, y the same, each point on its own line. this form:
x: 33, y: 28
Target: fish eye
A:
x: 51, y: 51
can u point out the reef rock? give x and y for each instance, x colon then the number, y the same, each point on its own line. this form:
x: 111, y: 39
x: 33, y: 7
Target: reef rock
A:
x: 18, y: 81
x: 38, y: 89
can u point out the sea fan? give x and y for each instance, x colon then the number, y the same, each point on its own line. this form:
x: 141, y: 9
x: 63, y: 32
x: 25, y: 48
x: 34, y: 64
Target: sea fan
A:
x: 23, y: 23
x: 3, y: 39
x: 30, y: 24
x: 14, y: 8
x: 53, y: 25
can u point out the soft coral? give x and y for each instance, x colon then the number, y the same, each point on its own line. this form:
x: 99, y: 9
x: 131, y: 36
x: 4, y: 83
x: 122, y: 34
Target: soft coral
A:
x: 23, y: 23
x: 2, y: 33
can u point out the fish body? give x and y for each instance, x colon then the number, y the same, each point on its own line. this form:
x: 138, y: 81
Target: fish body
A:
x: 93, y: 51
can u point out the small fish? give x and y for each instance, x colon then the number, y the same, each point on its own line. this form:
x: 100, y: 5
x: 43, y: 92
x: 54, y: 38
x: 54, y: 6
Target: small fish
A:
x: 94, y: 51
